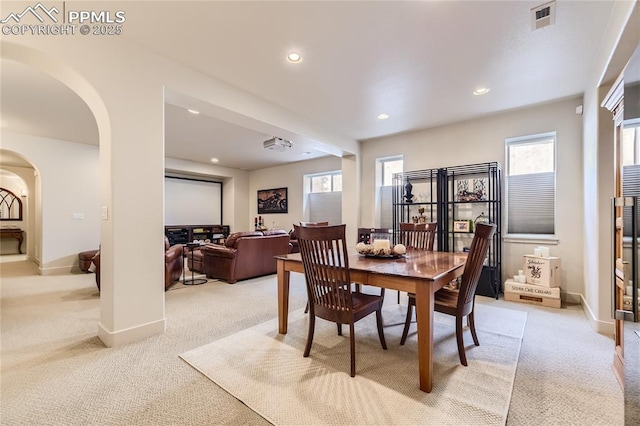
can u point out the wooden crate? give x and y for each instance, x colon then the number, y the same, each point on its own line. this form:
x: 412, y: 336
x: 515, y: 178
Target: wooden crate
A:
x: 531, y: 289
x: 533, y: 300
x: 544, y: 271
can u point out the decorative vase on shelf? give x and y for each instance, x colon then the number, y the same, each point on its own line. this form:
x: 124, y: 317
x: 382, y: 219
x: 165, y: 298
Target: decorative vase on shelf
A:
x: 408, y: 187
x: 482, y: 218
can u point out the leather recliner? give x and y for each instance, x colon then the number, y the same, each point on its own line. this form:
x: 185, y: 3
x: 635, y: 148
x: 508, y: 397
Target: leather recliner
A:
x: 173, y: 264
x: 245, y: 255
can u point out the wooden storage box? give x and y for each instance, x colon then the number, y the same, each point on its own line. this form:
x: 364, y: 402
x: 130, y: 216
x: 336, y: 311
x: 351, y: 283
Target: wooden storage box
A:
x: 533, y: 300
x: 531, y: 289
x: 544, y: 271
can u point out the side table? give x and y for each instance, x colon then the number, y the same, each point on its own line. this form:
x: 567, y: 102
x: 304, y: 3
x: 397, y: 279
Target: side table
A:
x: 193, y: 280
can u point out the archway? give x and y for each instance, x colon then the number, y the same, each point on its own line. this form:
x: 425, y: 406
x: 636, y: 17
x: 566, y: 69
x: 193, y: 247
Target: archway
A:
x: 19, y: 176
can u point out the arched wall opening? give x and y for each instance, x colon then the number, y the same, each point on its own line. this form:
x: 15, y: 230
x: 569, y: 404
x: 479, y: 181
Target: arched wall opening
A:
x: 20, y: 176
x: 129, y: 192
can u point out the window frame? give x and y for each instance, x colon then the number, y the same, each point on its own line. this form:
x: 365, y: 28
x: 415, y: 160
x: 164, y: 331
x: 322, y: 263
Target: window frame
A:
x: 528, y: 139
x: 379, y: 184
x: 311, y: 176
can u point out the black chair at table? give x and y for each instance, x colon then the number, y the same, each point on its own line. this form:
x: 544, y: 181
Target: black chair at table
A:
x: 460, y: 302
x: 326, y: 269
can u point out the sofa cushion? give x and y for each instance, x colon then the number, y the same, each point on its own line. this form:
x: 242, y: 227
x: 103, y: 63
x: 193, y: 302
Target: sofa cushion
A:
x: 231, y: 239
x: 219, y: 251
x: 275, y: 232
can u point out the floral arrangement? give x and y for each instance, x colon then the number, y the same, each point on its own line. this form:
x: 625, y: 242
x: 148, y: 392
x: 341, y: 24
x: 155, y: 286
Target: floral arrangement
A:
x: 381, y: 249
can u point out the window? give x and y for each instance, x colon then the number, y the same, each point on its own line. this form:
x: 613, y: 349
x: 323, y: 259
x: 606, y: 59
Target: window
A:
x: 531, y: 184
x: 324, y: 197
x: 631, y: 146
x: 389, y: 167
x: 385, y: 169
x: 331, y: 182
x: 630, y: 169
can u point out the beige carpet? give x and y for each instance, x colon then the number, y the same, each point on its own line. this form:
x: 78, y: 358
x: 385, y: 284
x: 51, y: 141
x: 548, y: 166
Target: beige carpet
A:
x: 267, y: 372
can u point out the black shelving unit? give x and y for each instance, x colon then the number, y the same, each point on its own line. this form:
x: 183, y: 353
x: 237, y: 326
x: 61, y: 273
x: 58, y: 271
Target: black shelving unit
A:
x: 367, y: 235
x: 182, y: 234
x: 458, y: 193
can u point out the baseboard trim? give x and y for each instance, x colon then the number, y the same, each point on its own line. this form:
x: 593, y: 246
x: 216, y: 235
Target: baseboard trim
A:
x: 57, y: 270
x: 129, y: 335
x: 574, y: 298
x: 605, y: 328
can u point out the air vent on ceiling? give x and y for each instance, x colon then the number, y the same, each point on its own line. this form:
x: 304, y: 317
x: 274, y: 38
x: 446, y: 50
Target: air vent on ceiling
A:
x: 543, y: 15
x: 277, y: 144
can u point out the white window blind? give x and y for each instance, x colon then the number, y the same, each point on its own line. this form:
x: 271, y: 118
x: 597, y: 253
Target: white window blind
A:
x: 630, y: 188
x: 386, y: 206
x: 325, y: 207
x: 531, y: 201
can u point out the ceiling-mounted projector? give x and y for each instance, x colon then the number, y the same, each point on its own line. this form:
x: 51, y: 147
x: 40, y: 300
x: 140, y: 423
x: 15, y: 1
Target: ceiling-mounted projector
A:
x: 277, y: 144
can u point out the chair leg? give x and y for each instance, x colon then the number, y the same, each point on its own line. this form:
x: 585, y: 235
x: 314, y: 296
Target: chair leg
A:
x: 339, y: 329
x: 380, y: 329
x: 398, y: 297
x: 407, y: 322
x: 312, y: 326
x: 459, y: 338
x: 306, y: 309
x: 472, y: 327
x: 352, y: 338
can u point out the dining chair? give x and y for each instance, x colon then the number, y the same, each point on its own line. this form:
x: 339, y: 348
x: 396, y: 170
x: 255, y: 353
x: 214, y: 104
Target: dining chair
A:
x: 314, y: 223
x: 417, y: 236
x: 326, y: 269
x: 460, y: 302
x: 309, y: 224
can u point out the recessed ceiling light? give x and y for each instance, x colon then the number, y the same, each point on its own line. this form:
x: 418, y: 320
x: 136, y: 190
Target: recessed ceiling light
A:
x: 214, y: 160
x: 481, y: 91
x: 294, y: 57
x: 193, y: 111
x: 383, y: 116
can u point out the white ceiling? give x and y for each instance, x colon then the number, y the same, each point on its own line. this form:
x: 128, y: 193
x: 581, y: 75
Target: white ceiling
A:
x: 417, y: 61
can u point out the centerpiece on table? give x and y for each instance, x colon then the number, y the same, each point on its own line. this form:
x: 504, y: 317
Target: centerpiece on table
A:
x: 381, y: 248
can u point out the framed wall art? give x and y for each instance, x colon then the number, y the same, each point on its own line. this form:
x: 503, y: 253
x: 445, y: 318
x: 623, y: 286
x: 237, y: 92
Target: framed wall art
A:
x: 272, y: 201
x: 462, y: 226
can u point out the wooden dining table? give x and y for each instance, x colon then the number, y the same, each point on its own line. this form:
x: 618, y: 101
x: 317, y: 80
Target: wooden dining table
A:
x: 419, y: 272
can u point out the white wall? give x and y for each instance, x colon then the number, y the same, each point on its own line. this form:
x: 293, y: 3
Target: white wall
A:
x: 290, y: 176
x: 623, y: 34
x: 69, y: 176
x: 483, y: 140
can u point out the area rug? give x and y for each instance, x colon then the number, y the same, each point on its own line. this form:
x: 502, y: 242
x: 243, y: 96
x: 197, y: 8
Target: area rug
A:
x: 267, y: 372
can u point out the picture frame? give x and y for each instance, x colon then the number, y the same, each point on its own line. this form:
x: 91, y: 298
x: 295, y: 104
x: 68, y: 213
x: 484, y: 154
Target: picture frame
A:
x: 461, y: 226
x: 272, y: 201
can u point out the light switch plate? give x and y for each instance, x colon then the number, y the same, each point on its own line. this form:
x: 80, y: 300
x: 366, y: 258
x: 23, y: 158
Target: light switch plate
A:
x: 105, y: 213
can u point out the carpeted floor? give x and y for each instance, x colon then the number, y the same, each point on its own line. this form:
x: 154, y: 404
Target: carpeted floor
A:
x: 268, y: 372
x: 55, y: 371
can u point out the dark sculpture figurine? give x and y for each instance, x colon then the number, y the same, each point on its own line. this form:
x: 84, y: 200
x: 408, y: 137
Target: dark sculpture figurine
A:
x: 408, y: 196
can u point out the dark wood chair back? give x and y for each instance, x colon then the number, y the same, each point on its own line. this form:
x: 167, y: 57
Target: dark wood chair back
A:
x: 311, y: 224
x: 419, y: 236
x: 459, y: 302
x: 473, y: 266
x: 326, y: 267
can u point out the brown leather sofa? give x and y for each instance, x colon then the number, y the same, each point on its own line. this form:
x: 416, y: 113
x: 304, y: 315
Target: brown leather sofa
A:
x: 173, y: 264
x: 245, y: 255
